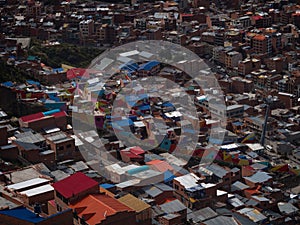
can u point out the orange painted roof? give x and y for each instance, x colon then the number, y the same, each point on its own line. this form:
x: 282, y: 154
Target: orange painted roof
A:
x: 254, y: 191
x: 160, y: 165
x: 168, y: 200
x: 95, y: 208
x: 154, y: 162
x: 259, y: 37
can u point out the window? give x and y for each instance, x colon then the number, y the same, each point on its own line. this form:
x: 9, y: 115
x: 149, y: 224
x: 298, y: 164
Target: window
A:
x: 69, y: 146
x: 60, y: 148
x: 58, y: 208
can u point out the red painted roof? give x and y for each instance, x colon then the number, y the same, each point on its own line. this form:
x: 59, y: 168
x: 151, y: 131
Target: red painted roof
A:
x: 134, y: 152
x: 74, y: 184
x: 60, y: 114
x: 259, y: 37
x: 75, y: 72
x: 40, y: 115
x: 32, y: 117
x: 79, y: 72
x: 137, y: 150
x: 131, y: 155
x: 96, y: 208
x: 257, y: 17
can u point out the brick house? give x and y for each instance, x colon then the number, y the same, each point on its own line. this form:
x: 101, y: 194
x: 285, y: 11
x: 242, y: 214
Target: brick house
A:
x: 149, y: 68
x: 159, y: 192
x: 33, y: 148
x: 132, y: 154
x: 33, y: 191
x: 62, y: 145
x: 72, y: 189
x: 102, y: 209
x: 258, y: 178
x: 39, y: 121
x: 9, y: 152
x: 170, y: 219
x: 174, y: 213
x: 142, y: 209
x: 192, y: 192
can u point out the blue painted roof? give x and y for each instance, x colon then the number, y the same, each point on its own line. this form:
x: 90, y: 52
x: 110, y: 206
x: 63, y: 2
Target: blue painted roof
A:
x: 168, y: 176
x: 22, y: 214
x: 8, y: 84
x: 238, y: 123
x: 133, y: 99
x: 133, y: 117
x: 218, y: 141
x: 191, y: 131
x: 148, y: 66
x: 130, y: 66
x: 48, y: 113
x: 138, y: 170
x: 144, y: 107
x: 31, y: 82
x: 32, y: 57
x: 58, y: 70
x: 123, y: 123
x: 53, y: 96
x: 109, y: 117
x: 107, y: 186
x: 53, y: 105
x: 167, y: 104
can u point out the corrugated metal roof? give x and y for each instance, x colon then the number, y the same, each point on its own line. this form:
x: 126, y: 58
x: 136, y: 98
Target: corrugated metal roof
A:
x: 237, y: 186
x: 37, y: 191
x: 202, y: 215
x: 27, y: 184
x: 74, y: 184
x: 134, y: 203
x: 173, y: 206
x: 98, y: 207
x: 287, y: 208
x: 259, y: 177
x: 217, y: 170
x: 252, y: 214
x: 222, y: 220
x: 153, y: 191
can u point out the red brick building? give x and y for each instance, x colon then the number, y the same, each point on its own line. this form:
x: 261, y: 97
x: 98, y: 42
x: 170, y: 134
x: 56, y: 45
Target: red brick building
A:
x: 192, y: 193
x: 133, y: 154
x: 41, y: 120
x: 32, y: 147
x: 72, y: 189
x: 62, y: 145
